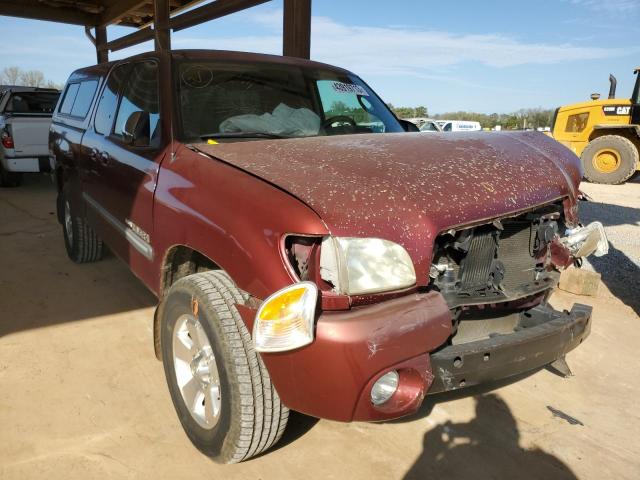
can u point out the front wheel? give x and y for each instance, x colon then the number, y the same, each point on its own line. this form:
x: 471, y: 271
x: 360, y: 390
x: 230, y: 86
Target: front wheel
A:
x: 219, y: 386
x: 609, y: 159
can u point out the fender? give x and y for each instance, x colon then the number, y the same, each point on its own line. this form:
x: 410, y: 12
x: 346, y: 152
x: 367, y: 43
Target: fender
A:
x: 231, y: 217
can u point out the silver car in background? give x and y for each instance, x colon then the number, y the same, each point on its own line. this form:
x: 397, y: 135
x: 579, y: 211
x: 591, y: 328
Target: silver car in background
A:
x: 25, y: 118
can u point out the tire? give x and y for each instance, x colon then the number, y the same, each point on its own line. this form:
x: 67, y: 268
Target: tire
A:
x: 82, y: 243
x: 250, y: 417
x: 10, y: 179
x: 609, y: 159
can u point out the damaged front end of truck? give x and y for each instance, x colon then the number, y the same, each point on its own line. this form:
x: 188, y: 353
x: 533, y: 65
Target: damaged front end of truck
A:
x: 497, y: 278
x: 433, y: 272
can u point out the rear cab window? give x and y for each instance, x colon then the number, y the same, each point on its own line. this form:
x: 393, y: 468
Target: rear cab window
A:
x: 32, y: 103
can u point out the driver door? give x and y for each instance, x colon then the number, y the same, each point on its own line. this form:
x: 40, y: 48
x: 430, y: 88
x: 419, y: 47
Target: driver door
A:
x: 119, y: 187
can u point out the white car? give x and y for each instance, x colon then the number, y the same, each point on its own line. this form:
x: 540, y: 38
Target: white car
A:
x: 430, y: 126
x: 459, y: 126
x: 25, y: 118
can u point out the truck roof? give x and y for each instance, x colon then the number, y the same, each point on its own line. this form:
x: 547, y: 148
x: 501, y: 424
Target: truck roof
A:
x: 224, y: 55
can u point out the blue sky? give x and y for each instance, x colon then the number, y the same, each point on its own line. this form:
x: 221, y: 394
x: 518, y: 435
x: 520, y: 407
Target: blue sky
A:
x: 493, y: 56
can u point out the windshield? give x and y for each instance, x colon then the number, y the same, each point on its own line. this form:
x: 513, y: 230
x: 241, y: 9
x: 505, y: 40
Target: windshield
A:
x: 32, y: 102
x: 240, y: 100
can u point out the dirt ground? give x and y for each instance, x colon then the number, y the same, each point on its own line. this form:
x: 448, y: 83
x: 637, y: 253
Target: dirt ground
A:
x: 82, y: 395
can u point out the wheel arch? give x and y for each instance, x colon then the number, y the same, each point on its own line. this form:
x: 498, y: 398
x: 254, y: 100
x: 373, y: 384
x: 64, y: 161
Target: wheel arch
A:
x: 178, y: 262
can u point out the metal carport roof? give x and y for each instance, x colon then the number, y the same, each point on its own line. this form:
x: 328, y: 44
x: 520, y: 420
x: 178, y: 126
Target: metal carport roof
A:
x: 155, y: 19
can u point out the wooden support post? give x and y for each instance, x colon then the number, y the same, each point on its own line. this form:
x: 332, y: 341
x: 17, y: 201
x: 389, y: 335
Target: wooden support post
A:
x: 101, y: 41
x: 297, y: 28
x: 161, y: 25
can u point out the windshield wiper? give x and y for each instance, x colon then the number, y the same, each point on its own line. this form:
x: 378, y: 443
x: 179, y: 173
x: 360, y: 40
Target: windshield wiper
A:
x: 207, y: 136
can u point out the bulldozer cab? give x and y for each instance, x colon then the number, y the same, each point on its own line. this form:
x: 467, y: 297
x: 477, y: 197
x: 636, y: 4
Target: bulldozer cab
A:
x: 635, y: 100
x: 604, y: 133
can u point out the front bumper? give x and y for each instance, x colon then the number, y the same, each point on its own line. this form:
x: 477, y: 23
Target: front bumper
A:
x: 332, y: 377
x: 549, y: 335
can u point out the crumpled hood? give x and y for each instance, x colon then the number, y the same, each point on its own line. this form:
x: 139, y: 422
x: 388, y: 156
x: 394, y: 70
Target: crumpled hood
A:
x: 409, y: 187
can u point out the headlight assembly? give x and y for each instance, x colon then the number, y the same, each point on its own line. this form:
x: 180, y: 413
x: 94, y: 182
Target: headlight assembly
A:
x: 358, y: 266
x: 285, y: 319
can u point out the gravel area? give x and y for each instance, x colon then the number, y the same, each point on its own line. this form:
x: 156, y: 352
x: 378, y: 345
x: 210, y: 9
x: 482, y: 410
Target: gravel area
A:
x: 618, y: 208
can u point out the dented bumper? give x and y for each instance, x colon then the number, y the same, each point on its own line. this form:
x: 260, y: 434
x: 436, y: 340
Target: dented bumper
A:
x: 332, y: 377
x: 546, y: 336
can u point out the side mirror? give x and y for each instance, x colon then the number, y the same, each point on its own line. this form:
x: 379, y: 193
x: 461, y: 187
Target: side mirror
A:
x: 408, y: 126
x: 136, y: 129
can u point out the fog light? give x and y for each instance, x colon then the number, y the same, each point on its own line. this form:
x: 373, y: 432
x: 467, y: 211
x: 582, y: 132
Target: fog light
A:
x: 384, y: 388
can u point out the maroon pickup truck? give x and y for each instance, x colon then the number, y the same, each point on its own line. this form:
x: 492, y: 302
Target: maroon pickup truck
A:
x: 308, y: 251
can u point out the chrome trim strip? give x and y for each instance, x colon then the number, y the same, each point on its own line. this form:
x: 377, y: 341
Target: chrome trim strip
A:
x: 134, y: 239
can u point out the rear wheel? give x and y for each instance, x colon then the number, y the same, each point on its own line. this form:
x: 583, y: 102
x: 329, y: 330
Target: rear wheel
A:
x: 82, y: 243
x: 609, y: 159
x: 219, y: 386
x: 9, y: 179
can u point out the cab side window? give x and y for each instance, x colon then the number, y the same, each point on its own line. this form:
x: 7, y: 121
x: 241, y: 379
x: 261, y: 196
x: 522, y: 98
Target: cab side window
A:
x: 577, y: 123
x: 69, y: 98
x: 138, y: 119
x: 108, y: 103
x: 78, y: 98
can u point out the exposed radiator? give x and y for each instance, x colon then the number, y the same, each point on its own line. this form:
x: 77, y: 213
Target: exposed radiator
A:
x: 517, y: 253
x: 476, y: 266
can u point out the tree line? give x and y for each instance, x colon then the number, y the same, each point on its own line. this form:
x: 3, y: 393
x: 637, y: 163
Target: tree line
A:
x: 521, y: 119
x: 26, y: 78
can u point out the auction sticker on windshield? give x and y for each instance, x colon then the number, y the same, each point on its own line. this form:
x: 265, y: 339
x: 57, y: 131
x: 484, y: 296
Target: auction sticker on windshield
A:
x: 349, y: 88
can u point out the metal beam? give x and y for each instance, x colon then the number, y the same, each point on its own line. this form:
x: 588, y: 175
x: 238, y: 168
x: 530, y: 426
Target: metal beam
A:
x: 161, y: 25
x: 39, y: 11
x: 211, y: 11
x: 130, y: 40
x: 102, y: 55
x: 119, y: 9
x: 296, y: 25
x: 217, y: 9
x: 296, y: 32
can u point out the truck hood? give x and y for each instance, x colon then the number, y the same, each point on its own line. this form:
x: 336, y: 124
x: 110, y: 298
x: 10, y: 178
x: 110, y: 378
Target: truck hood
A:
x: 408, y: 187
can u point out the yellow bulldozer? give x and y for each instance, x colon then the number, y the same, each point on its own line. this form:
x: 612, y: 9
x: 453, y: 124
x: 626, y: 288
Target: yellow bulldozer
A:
x: 605, y: 134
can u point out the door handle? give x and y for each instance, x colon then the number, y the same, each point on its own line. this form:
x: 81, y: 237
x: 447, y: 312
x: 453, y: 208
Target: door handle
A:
x: 105, y: 158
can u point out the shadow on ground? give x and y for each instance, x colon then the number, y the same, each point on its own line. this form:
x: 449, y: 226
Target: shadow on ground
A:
x: 486, y: 447
x: 39, y: 285
x: 620, y: 273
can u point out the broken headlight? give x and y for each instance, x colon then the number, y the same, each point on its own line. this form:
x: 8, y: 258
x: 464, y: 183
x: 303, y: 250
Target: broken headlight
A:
x: 584, y: 241
x: 358, y: 266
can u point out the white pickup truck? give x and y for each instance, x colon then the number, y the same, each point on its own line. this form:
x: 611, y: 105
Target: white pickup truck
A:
x: 25, y: 118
